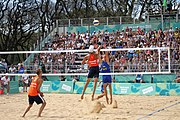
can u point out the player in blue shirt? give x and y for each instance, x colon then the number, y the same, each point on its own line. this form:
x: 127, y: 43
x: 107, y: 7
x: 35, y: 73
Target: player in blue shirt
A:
x: 106, y: 79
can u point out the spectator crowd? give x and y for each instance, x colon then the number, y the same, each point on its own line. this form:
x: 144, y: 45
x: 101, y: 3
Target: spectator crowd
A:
x: 121, y: 61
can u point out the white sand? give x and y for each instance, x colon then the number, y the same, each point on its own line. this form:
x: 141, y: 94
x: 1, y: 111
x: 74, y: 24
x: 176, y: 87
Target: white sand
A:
x: 68, y: 107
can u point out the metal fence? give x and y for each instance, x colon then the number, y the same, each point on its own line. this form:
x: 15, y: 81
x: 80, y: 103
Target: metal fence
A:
x: 102, y: 21
x: 117, y: 20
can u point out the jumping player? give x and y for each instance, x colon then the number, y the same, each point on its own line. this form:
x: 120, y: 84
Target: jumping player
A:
x: 92, y: 59
x: 34, y: 93
x: 106, y: 79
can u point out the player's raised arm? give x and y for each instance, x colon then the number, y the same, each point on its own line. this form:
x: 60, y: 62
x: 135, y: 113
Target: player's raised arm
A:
x: 98, y: 49
x: 106, y: 54
x: 100, y: 59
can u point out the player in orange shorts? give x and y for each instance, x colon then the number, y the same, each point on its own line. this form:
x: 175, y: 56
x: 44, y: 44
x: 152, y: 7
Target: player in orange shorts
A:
x: 34, y: 93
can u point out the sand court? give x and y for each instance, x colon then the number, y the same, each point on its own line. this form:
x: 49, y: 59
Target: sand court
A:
x: 68, y: 107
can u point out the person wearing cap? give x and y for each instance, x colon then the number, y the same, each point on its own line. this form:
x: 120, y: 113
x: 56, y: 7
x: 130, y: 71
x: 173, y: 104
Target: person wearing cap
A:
x: 5, y: 81
x: 92, y: 59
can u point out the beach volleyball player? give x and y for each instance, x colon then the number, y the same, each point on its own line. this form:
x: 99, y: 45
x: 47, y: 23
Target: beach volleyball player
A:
x: 92, y: 59
x: 106, y: 79
x: 34, y: 94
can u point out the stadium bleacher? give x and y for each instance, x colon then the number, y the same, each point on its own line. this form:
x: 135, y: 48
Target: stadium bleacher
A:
x: 123, y: 61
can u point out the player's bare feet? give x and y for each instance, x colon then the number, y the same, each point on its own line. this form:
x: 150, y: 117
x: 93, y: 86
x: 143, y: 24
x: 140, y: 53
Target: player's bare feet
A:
x: 82, y: 97
x: 92, y: 98
x: 39, y: 116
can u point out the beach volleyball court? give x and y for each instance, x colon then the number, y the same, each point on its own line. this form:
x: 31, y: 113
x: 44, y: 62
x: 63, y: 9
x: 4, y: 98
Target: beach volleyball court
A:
x: 68, y: 107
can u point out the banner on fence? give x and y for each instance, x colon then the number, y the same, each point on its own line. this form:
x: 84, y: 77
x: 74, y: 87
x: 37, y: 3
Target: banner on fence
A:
x: 57, y: 86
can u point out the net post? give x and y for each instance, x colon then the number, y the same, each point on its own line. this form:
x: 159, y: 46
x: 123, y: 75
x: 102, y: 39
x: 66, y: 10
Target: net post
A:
x: 120, y: 20
x: 169, y: 60
x: 159, y: 55
x: 162, y: 22
x: 81, y: 22
x: 57, y: 24
x: 107, y: 21
x: 177, y: 17
x: 69, y: 23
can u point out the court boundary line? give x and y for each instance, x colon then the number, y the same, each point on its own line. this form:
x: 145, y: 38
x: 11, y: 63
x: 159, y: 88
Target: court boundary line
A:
x: 159, y: 110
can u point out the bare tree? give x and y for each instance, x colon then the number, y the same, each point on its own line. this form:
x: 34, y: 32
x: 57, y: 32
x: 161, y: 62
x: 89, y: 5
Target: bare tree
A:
x: 18, y: 26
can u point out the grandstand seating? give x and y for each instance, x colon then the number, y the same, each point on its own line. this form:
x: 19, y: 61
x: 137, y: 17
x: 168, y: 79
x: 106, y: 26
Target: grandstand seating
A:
x: 77, y: 41
x: 127, y: 38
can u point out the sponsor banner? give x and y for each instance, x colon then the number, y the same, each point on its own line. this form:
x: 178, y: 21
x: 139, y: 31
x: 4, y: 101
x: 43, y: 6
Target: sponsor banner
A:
x: 118, y: 88
x: 134, y: 88
x: 78, y: 88
x: 46, y: 86
x: 121, y: 88
x: 148, y: 89
x: 168, y: 89
x: 57, y: 87
x: 164, y: 89
x: 66, y: 87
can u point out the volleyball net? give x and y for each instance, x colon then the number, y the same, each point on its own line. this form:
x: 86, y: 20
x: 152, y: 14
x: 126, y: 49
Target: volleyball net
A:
x: 123, y: 61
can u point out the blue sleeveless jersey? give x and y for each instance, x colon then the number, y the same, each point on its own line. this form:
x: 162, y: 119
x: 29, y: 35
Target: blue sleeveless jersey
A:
x: 105, y: 68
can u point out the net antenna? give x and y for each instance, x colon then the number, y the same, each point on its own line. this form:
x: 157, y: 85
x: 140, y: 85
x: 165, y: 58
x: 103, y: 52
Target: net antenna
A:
x: 159, y: 49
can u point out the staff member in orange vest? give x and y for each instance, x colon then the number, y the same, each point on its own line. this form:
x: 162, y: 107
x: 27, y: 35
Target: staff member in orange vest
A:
x: 92, y: 59
x: 34, y: 93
